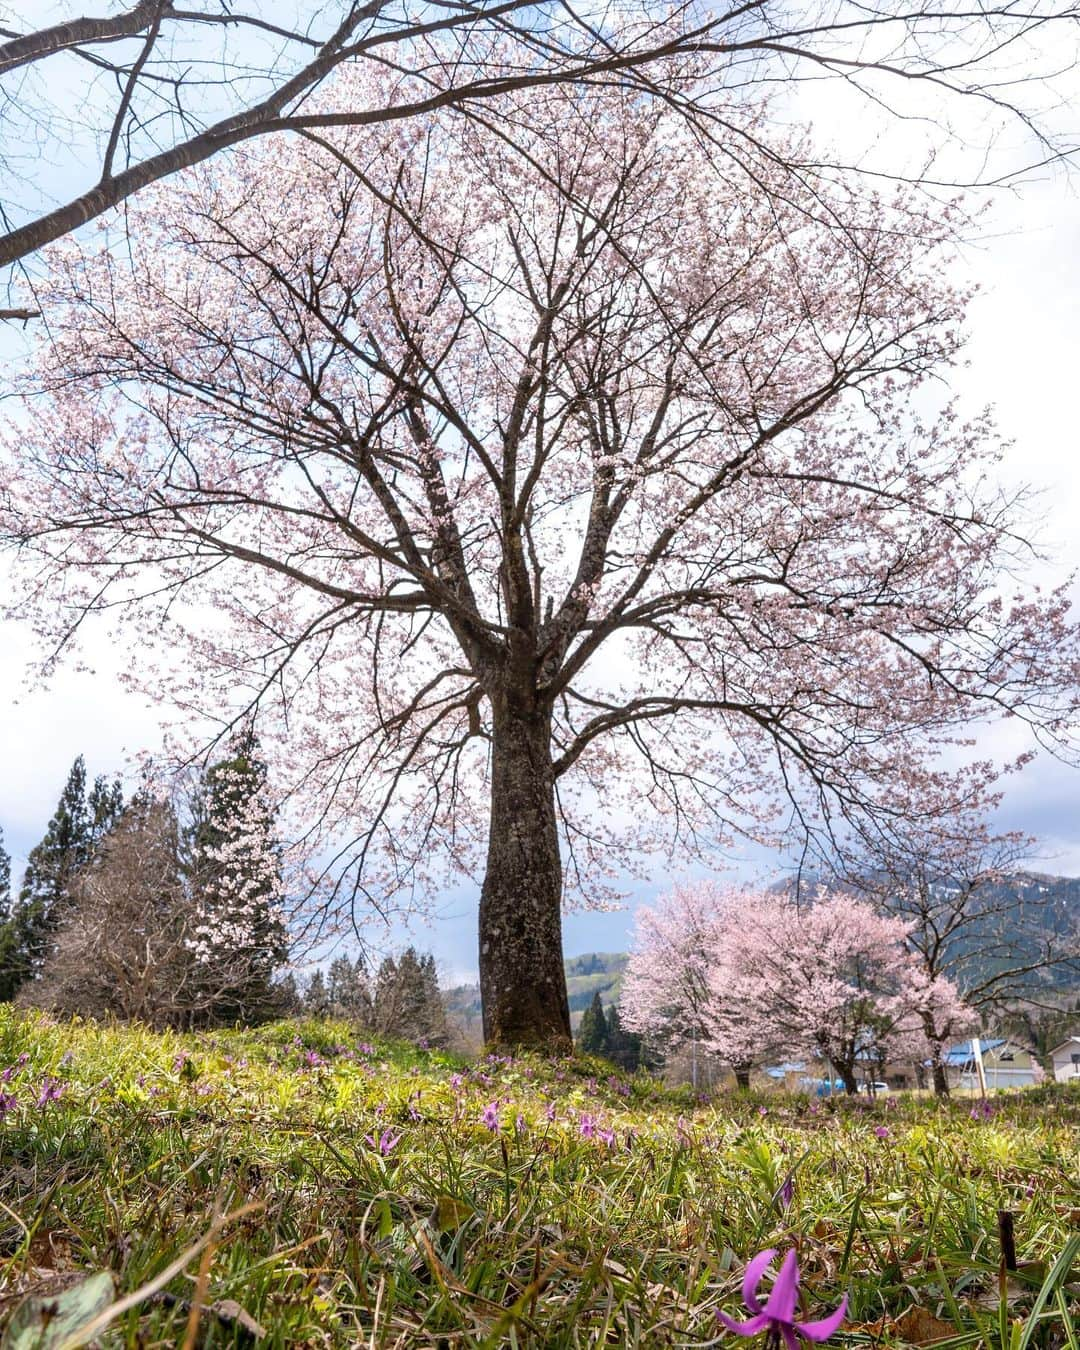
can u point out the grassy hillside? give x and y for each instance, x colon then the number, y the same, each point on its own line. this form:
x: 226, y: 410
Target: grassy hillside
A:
x: 295, y: 1187
x: 584, y: 976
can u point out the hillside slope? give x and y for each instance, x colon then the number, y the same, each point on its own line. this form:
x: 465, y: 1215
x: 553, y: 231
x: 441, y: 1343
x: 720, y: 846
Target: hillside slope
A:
x: 585, y: 975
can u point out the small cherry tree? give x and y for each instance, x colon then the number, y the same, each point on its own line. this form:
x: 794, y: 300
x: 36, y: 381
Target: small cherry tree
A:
x: 665, y: 985
x: 833, y: 978
x: 755, y: 975
x: 565, y: 500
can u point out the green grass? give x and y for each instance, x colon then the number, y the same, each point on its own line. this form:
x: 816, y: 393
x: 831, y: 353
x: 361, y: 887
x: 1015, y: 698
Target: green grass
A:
x: 235, y: 1149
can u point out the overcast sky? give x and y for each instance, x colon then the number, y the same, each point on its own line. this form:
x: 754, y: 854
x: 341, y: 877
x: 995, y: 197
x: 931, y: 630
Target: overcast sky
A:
x: 1024, y: 355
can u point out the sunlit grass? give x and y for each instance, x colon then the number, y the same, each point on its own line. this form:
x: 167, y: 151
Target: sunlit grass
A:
x: 600, y: 1211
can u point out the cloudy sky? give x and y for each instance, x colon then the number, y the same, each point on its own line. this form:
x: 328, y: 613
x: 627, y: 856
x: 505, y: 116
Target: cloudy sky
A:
x: 1024, y: 358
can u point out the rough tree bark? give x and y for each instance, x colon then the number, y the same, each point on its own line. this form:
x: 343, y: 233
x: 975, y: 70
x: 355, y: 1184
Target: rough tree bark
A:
x: 521, y: 955
x: 937, y: 1065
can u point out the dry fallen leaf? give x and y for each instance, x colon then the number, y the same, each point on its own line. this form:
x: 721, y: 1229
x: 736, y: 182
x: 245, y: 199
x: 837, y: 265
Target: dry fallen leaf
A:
x: 918, y: 1326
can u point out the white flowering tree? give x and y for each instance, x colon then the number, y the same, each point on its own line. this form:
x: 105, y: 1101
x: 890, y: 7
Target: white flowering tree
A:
x: 551, y: 486
x: 236, y: 928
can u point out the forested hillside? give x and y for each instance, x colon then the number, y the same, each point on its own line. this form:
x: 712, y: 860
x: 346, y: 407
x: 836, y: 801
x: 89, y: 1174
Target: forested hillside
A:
x: 584, y: 976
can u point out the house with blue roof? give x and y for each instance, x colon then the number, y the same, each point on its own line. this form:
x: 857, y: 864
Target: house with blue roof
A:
x: 1005, y: 1065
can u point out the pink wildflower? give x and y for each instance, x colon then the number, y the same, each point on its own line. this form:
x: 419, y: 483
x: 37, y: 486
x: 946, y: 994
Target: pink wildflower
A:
x: 777, y: 1318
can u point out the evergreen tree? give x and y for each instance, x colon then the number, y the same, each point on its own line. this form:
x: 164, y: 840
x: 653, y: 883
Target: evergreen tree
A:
x: 347, y: 989
x: 407, y: 1001
x: 623, y: 1047
x: 104, y: 807
x: 287, y: 995
x: 436, y: 1027
x: 50, y: 869
x: 412, y: 1003
x: 233, y: 867
x: 8, y: 936
x: 316, y: 997
x: 387, y: 997
x: 593, y: 1034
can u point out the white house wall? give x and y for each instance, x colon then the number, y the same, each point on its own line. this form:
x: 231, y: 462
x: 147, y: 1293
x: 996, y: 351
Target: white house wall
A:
x: 1065, y: 1069
x: 1000, y: 1077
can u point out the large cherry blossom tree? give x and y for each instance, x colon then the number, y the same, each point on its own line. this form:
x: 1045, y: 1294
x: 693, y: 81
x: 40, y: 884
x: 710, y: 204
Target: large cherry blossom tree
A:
x: 124, y: 99
x: 555, y: 486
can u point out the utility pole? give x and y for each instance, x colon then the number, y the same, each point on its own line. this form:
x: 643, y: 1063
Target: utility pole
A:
x: 980, y: 1071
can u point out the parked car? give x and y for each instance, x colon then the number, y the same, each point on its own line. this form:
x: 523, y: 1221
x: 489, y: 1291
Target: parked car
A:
x: 822, y: 1087
x: 874, y: 1089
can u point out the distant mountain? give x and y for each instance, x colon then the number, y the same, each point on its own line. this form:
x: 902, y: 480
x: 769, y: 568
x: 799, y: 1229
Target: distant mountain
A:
x: 1019, y: 912
x: 584, y: 976
x: 1055, y: 899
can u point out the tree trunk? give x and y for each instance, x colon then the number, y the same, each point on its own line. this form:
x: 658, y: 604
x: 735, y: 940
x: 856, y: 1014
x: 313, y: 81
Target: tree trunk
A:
x: 937, y: 1057
x: 522, y: 979
x: 742, y: 1077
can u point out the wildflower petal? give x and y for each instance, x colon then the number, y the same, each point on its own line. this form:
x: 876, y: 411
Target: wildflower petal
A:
x: 790, y: 1340
x: 785, y: 1291
x: 755, y: 1268
x: 750, y: 1328
x: 824, y: 1327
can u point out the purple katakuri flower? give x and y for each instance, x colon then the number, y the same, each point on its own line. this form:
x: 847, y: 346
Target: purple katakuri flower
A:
x: 549, y: 1111
x: 882, y: 1131
x: 51, y: 1090
x: 8, y: 1102
x: 777, y: 1318
x: 489, y: 1117
x: 786, y: 1193
x: 385, y: 1142
x: 586, y: 1126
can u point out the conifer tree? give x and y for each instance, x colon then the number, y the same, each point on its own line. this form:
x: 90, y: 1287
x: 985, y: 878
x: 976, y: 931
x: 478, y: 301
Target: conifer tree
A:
x: 623, y: 1047
x: 287, y: 995
x: 386, y: 997
x: 316, y: 997
x: 104, y: 807
x: 8, y: 939
x: 407, y: 1001
x: 412, y: 1015
x: 347, y: 989
x: 593, y: 1032
x: 49, y: 870
x: 436, y: 1030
